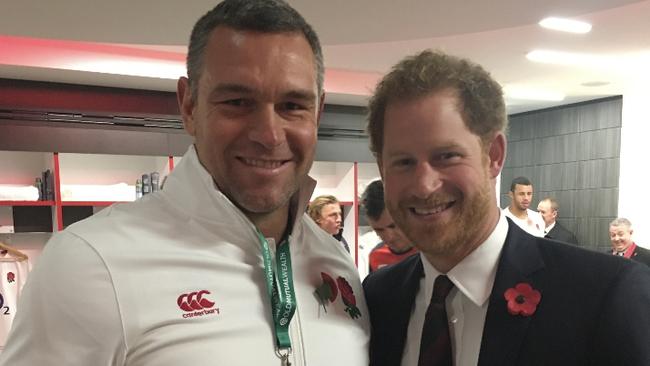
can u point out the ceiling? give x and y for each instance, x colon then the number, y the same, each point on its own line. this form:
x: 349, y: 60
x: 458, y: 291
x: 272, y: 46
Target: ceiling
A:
x: 142, y: 44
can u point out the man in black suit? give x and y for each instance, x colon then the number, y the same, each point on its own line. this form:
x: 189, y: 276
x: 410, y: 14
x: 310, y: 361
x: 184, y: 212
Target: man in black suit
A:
x: 620, y: 235
x: 548, y: 208
x: 437, y: 128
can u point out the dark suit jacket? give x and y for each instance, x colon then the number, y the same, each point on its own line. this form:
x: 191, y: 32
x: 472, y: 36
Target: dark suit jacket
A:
x: 560, y: 233
x: 593, y: 311
x: 640, y: 255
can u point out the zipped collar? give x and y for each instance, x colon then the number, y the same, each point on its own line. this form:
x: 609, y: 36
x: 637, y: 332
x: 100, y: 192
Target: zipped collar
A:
x: 191, y: 188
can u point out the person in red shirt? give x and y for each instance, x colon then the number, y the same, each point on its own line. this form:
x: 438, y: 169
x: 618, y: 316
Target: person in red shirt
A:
x: 394, y: 246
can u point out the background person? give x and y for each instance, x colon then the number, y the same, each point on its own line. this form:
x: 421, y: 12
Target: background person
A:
x: 620, y: 235
x: 521, y: 196
x: 548, y: 209
x: 326, y: 212
x: 482, y: 291
x: 186, y: 275
x: 395, y: 246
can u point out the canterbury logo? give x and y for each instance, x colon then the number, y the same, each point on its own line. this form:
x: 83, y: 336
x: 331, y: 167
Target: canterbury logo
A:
x: 194, y: 301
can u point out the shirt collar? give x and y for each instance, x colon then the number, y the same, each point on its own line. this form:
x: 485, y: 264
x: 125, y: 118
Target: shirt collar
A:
x: 627, y: 253
x: 191, y: 186
x: 474, y: 275
x: 549, y: 228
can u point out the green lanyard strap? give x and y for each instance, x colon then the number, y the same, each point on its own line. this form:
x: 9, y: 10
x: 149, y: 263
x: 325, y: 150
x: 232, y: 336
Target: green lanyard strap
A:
x: 283, y: 299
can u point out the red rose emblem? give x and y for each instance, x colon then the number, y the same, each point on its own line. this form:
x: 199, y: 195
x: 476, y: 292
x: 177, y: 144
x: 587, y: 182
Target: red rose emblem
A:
x: 331, y: 285
x: 348, y: 297
x: 11, y: 277
x: 346, y: 291
x: 522, y: 299
x: 327, y: 291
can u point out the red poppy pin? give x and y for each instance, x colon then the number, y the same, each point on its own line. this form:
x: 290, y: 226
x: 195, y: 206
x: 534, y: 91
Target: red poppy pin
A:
x: 348, y: 298
x: 522, y: 299
x: 327, y: 291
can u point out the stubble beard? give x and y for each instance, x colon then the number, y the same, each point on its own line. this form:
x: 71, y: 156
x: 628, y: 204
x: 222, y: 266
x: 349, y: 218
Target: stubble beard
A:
x: 264, y: 204
x: 454, y: 238
x: 522, y: 207
x: 256, y: 203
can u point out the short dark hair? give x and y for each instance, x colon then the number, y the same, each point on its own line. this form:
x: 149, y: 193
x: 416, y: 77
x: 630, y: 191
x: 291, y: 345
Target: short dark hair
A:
x: 480, y: 98
x: 372, y: 200
x: 267, y: 16
x: 521, y: 181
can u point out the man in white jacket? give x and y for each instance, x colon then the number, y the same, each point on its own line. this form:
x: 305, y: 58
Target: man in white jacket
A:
x: 222, y: 266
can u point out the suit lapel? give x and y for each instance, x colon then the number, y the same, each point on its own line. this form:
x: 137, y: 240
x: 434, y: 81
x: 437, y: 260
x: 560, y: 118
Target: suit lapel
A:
x: 404, y: 298
x: 551, y: 234
x: 504, y: 333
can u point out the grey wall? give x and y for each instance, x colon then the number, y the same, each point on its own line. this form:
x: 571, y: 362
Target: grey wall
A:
x: 342, y: 136
x: 570, y: 153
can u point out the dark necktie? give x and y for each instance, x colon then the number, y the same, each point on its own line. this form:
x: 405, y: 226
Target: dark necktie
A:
x: 435, y: 345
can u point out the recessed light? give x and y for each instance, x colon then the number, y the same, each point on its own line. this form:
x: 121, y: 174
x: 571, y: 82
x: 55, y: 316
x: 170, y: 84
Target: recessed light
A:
x: 565, y: 25
x: 555, y: 57
x: 571, y: 58
x: 595, y: 83
x: 163, y: 69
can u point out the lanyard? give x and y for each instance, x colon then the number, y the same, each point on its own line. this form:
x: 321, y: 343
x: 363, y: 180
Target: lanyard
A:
x: 283, y: 299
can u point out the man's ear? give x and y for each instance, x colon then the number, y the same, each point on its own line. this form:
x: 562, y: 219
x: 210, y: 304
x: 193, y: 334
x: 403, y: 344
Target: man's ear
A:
x: 186, y: 104
x: 497, y: 154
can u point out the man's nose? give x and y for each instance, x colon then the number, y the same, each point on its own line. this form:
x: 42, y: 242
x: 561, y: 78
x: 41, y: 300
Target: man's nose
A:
x: 426, y: 180
x: 267, y: 128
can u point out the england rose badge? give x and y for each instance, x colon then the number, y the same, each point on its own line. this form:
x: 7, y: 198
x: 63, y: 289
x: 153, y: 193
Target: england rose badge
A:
x: 348, y: 298
x: 327, y: 291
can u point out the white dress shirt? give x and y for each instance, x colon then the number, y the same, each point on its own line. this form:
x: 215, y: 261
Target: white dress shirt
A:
x: 549, y: 228
x: 466, y: 304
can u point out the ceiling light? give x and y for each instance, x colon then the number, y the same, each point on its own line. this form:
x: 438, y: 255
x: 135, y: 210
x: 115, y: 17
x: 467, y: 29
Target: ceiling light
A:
x: 594, y: 84
x: 565, y: 25
x: 555, y: 57
x: 573, y: 58
x: 525, y: 93
x: 132, y: 67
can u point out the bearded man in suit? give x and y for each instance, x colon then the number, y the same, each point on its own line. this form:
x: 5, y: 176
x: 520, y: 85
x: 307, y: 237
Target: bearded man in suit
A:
x: 437, y: 128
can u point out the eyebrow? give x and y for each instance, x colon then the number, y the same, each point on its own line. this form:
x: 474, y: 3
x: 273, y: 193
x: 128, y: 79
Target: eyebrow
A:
x: 305, y: 95
x: 437, y: 150
x: 231, y: 88
x: 299, y: 94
